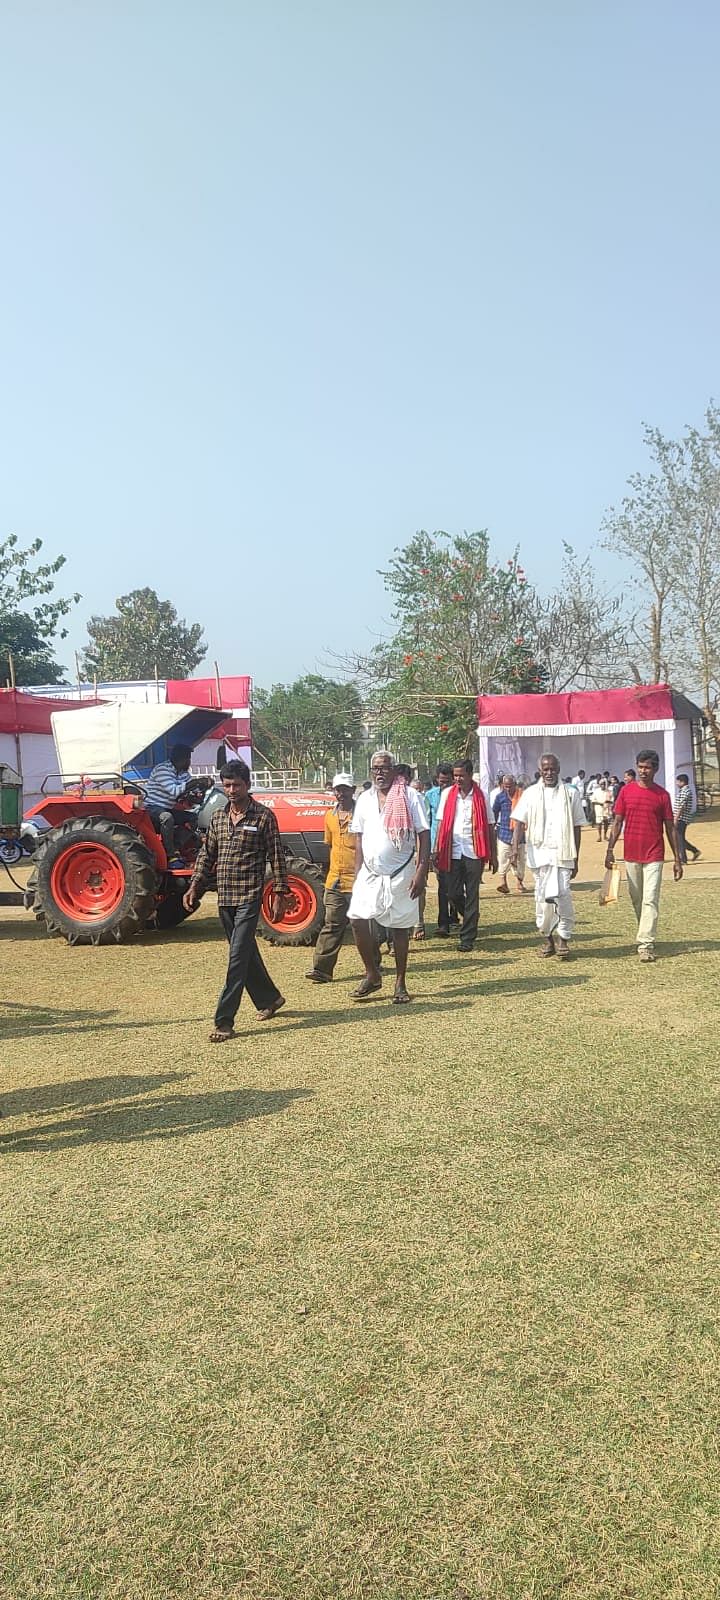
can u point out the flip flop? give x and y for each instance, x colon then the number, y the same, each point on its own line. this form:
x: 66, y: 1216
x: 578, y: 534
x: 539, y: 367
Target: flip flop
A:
x: 402, y: 999
x: 419, y: 933
x: 366, y: 990
x: 269, y: 1012
x: 219, y: 1036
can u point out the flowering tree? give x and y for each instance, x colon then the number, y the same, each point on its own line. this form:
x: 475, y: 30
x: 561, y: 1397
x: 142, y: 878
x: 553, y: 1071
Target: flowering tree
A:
x: 462, y: 629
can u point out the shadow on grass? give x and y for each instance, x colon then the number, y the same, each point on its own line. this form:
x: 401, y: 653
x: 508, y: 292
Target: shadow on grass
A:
x: 43, y: 1098
x: 461, y: 997
x: 23, y: 1021
x: 175, y: 1116
x: 20, y: 928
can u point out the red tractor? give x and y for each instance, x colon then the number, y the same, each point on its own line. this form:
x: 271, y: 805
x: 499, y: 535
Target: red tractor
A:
x: 100, y: 869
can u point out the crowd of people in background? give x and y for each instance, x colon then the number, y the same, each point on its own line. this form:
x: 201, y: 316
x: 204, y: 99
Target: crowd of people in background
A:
x: 384, y: 842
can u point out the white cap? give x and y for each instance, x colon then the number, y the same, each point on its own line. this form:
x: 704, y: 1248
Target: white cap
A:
x: 345, y: 778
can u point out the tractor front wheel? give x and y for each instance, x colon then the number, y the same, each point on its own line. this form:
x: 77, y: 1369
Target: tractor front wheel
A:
x: 304, y: 917
x: 94, y: 881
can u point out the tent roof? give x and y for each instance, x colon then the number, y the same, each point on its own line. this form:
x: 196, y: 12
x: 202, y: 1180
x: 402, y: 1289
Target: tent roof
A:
x: 106, y: 738
x: 30, y: 713
x: 632, y: 710
x: 234, y: 692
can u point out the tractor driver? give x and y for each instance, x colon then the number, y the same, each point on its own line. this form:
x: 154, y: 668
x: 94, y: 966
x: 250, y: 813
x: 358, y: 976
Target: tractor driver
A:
x: 167, y: 782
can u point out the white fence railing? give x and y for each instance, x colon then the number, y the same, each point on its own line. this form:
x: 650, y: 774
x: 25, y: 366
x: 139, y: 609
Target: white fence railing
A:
x: 263, y: 778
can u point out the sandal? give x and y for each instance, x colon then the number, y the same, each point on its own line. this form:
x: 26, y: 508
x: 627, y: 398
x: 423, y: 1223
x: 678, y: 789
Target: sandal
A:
x: 269, y: 1012
x: 419, y: 933
x: 221, y: 1035
x: 366, y: 989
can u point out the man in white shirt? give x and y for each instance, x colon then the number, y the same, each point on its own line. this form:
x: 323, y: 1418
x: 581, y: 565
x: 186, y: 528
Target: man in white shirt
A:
x: 551, y: 814
x: 391, y: 825
x: 469, y: 846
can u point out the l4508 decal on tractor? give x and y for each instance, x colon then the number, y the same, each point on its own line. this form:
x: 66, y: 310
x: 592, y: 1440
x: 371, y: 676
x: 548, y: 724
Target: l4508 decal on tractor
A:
x: 101, y: 872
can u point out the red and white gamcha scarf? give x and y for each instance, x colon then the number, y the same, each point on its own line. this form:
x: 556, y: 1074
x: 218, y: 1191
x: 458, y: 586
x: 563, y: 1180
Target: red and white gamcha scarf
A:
x: 480, y: 827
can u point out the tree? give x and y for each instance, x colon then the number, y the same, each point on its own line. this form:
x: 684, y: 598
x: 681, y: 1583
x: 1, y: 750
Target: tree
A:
x: 642, y: 530
x: 670, y: 530
x: 307, y: 723
x: 580, y: 631
x: 27, y: 630
x: 32, y: 656
x: 694, y: 493
x: 145, y: 637
x: 461, y: 630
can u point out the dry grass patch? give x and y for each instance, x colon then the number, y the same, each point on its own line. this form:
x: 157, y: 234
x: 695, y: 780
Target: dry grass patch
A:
x: 413, y: 1305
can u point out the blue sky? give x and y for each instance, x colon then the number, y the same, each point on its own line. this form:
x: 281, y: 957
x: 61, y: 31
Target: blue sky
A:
x: 281, y: 283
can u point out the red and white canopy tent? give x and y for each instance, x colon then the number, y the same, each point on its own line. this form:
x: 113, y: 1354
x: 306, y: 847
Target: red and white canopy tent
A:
x: 233, y: 692
x: 595, y: 729
x: 26, y: 739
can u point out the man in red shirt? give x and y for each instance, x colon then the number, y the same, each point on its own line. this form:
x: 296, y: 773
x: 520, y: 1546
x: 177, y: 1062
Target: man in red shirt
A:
x: 645, y: 808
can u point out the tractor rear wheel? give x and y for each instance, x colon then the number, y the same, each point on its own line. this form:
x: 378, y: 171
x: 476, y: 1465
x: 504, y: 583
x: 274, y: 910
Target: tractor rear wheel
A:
x: 302, y: 921
x: 170, y: 911
x: 94, y: 881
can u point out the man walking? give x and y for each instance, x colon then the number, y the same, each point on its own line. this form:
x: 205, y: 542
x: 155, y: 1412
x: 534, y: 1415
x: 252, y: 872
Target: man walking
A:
x: 464, y: 847
x: 242, y: 838
x: 551, y: 815
x: 645, y: 808
x: 446, y: 912
x: 683, y: 810
x: 503, y: 812
x: 166, y: 784
x: 339, y: 881
x: 390, y: 826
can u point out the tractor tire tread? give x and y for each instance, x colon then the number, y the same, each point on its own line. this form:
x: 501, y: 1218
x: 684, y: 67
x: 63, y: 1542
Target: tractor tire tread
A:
x: 134, y: 853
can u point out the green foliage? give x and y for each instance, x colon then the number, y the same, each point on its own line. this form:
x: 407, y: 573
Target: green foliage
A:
x: 32, y: 656
x: 146, y: 636
x: 464, y: 627
x: 27, y: 630
x: 669, y: 529
x: 306, y: 723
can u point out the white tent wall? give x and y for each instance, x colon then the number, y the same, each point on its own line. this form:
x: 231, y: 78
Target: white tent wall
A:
x: 204, y: 754
x: 612, y: 752
x: 37, y: 760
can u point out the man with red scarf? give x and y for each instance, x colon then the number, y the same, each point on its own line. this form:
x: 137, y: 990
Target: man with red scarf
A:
x: 463, y: 846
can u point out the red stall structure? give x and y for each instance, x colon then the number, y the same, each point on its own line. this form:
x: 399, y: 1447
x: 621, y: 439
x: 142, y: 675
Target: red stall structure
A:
x: 26, y: 739
x: 595, y: 730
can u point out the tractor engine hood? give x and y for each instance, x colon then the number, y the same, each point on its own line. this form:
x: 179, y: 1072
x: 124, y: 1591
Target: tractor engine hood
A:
x: 99, y: 740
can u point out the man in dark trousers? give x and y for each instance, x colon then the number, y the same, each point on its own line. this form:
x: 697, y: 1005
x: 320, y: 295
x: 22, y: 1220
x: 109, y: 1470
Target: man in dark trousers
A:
x: 446, y: 912
x: 464, y: 846
x: 242, y: 838
x: 339, y: 881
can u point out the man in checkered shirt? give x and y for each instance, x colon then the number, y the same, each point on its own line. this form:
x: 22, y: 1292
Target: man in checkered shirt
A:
x: 242, y: 839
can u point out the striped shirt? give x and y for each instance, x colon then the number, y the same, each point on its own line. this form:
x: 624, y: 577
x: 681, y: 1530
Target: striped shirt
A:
x: 165, y: 785
x: 683, y: 807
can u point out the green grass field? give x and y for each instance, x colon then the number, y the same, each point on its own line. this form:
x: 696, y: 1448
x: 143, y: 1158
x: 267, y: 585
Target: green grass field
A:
x: 415, y: 1304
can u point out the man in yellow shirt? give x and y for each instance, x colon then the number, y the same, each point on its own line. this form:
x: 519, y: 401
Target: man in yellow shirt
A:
x: 339, y: 881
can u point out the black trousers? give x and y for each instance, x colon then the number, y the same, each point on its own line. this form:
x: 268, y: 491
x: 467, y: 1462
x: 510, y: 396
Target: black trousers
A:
x: 684, y: 843
x: 246, y: 968
x: 464, y: 879
x: 446, y: 911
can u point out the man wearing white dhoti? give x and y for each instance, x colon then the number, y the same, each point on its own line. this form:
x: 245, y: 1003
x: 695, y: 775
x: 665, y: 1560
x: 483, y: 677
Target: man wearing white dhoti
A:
x: 392, y: 844
x: 550, y: 814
